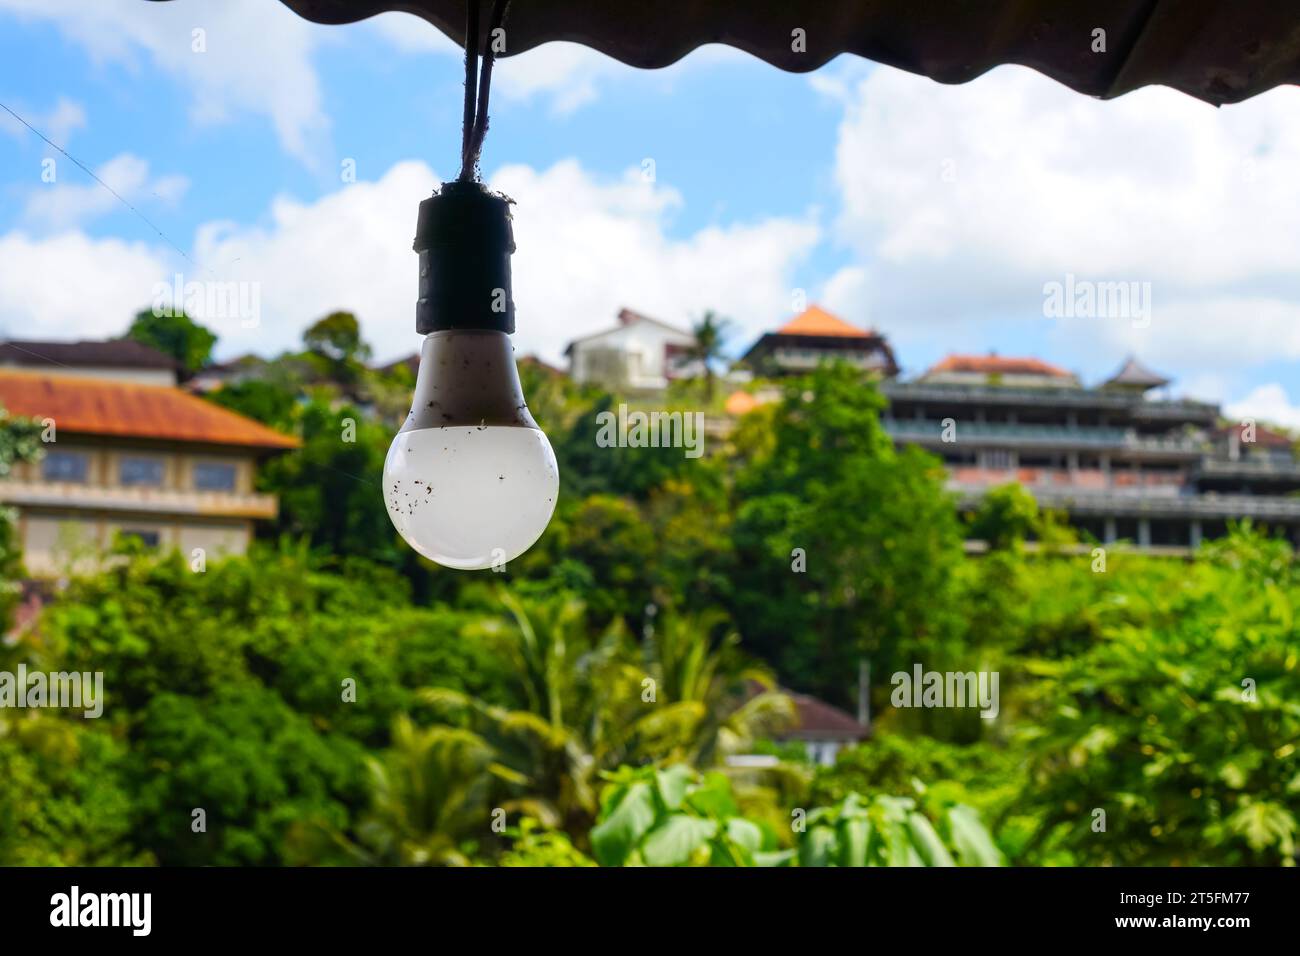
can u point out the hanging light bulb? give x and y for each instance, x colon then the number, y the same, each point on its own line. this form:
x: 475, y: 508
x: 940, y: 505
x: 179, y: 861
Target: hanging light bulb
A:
x: 470, y: 481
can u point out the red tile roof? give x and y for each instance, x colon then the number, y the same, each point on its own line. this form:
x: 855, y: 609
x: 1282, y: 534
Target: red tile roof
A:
x: 818, y: 720
x: 1263, y: 436
x: 81, y: 406
x: 817, y: 321
x: 999, y: 365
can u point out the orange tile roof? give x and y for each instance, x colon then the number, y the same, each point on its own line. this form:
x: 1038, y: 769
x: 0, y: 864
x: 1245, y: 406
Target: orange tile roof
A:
x: 82, y: 406
x: 817, y: 321
x: 999, y: 365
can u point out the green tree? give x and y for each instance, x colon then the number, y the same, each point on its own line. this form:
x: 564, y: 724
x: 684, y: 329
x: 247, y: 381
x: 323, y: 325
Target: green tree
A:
x: 845, y: 546
x: 430, y: 799
x: 1178, y: 722
x: 271, y: 403
x: 330, y: 489
x: 175, y: 334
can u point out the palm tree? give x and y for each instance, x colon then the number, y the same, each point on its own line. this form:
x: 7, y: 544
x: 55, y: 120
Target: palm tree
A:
x: 588, y: 703
x: 573, y: 694
x: 431, y: 793
x: 709, y: 334
x: 715, y: 701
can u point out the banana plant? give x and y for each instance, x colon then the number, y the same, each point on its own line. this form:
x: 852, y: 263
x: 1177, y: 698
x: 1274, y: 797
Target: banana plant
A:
x: 891, y: 831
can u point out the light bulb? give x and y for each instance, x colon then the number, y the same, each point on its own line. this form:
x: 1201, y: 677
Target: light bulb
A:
x: 470, y: 481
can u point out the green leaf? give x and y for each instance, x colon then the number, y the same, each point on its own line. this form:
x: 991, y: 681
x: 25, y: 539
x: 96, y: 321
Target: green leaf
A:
x: 777, y: 858
x: 855, y: 834
x: 745, y: 833
x: 615, y: 836
x: 1263, y: 824
x: 927, y: 842
x: 672, y: 785
x: 818, y: 846
x: 713, y: 797
x: 974, y: 845
x: 673, y: 842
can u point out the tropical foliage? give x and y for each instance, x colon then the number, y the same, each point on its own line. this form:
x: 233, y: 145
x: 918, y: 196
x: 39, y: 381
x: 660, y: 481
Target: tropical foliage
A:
x: 621, y: 694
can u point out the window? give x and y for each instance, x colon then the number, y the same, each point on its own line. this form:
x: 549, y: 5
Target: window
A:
x: 64, y: 466
x: 141, y: 471
x: 998, y: 458
x: 147, y: 538
x: 214, y: 476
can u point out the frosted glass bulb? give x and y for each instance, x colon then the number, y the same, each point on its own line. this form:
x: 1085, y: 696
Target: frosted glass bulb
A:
x: 470, y: 481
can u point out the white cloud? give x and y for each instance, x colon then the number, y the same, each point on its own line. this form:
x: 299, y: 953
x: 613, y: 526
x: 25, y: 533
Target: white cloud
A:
x: 73, y: 286
x: 962, y: 201
x: 568, y: 74
x: 1267, y: 403
x: 257, y: 56
x: 586, y: 248
x: 55, y: 206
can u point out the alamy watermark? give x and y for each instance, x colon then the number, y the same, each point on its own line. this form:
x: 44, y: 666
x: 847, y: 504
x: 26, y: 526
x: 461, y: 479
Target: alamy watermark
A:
x: 211, y: 300
x: 1086, y: 299
x: 651, y: 430
x: 77, y: 690
x: 922, y: 688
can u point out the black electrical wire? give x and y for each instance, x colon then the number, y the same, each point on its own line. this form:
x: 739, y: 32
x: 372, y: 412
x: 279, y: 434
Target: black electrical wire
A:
x: 476, y: 112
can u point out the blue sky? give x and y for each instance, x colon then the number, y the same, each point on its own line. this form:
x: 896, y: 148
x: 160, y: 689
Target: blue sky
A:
x: 934, y: 213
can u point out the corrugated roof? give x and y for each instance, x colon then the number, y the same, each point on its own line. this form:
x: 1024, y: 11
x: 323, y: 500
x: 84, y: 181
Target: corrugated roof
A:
x: 1218, y: 52
x: 817, y: 321
x: 82, y: 406
x: 121, y: 353
x: 998, y: 365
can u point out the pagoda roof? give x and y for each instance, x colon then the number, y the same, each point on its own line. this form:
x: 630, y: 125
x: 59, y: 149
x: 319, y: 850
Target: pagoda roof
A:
x: 1134, y: 373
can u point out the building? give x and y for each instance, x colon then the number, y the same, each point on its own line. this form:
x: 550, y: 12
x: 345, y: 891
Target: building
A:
x: 823, y: 729
x: 143, y: 460
x: 218, y: 375
x: 994, y: 369
x: 815, y: 336
x: 1117, y: 461
x: 639, y: 354
x: 122, y: 360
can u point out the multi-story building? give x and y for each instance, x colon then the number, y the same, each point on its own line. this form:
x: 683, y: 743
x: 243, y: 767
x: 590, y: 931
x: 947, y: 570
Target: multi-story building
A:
x: 1122, y: 459
x: 815, y: 336
x: 1117, y: 461
x: 142, y: 460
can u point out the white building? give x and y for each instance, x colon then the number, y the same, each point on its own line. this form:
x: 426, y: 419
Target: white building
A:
x: 639, y: 354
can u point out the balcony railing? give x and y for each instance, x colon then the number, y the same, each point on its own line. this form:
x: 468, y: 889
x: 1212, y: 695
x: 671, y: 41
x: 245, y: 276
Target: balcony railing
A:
x: 74, y: 495
x: 1249, y: 468
x: 1149, y: 503
x: 931, y: 432
x: 1177, y: 409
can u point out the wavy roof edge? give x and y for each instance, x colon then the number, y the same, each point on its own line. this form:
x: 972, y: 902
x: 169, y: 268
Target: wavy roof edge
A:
x: 1219, y: 53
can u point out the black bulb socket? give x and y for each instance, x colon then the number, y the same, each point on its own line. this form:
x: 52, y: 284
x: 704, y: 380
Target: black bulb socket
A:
x: 464, y: 239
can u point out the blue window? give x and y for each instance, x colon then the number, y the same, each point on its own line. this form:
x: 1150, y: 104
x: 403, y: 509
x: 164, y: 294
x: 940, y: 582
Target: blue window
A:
x: 141, y: 471
x: 214, y: 476
x: 64, y: 466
